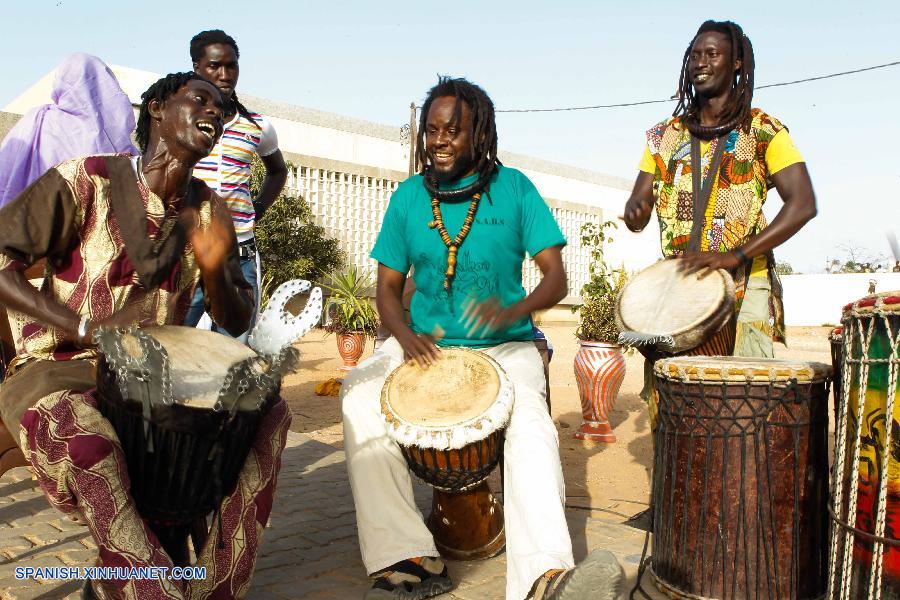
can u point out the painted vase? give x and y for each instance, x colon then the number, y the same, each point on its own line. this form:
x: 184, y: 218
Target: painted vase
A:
x: 599, y: 371
x: 350, y: 347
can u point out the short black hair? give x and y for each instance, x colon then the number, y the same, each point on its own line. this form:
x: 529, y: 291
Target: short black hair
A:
x: 160, y: 91
x: 741, y: 98
x: 211, y: 36
x: 484, y: 123
x: 198, y: 48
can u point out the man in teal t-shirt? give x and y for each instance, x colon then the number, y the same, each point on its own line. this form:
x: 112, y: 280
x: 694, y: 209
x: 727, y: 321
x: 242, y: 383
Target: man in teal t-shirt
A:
x: 464, y: 226
x: 512, y: 219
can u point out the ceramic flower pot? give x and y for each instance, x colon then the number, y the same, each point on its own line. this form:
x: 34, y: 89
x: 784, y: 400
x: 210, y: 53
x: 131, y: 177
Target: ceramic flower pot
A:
x: 350, y: 347
x: 599, y: 371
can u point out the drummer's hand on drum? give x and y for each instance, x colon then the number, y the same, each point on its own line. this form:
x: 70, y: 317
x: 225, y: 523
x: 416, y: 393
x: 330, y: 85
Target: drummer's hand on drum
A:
x: 693, y: 262
x: 126, y: 317
x: 418, y: 348
x: 483, y: 317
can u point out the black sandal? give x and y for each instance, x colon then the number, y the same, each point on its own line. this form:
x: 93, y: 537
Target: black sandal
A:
x: 429, y: 584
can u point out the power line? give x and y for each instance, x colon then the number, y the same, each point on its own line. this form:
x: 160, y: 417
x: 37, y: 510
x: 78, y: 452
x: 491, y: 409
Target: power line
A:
x: 759, y: 87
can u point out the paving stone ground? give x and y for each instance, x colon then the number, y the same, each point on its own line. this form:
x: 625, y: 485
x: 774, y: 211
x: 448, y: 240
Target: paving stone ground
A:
x: 309, y: 551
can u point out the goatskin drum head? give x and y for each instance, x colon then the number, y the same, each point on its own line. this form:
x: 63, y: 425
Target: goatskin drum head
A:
x: 460, y: 387
x: 664, y: 300
x: 198, y: 361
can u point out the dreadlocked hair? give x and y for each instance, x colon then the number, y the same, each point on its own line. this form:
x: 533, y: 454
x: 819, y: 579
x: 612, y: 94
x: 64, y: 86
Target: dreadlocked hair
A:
x: 160, y: 91
x: 484, y: 125
x: 198, y: 49
x: 737, y: 108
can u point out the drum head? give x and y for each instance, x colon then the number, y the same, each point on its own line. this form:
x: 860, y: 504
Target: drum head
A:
x: 715, y: 369
x: 663, y: 300
x: 198, y: 361
x: 466, y: 394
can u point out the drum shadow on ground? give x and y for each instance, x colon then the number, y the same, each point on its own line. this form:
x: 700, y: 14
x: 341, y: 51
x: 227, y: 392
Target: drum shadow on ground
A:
x: 606, y: 482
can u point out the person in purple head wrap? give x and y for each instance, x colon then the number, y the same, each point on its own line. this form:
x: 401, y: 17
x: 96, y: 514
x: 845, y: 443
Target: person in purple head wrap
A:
x: 89, y: 115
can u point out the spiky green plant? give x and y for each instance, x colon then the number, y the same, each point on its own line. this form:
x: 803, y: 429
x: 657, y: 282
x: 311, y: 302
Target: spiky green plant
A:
x: 349, y: 309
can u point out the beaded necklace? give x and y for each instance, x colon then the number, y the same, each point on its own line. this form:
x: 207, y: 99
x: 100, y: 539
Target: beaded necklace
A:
x: 453, y: 244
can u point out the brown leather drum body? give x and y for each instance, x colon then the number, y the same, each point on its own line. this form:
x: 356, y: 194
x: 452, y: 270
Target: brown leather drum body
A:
x: 740, y: 478
x: 466, y: 518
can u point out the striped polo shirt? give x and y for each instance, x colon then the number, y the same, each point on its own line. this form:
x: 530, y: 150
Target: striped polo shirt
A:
x: 227, y: 169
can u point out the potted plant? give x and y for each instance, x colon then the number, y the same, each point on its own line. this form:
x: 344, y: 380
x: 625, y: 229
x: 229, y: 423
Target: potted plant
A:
x: 350, y: 314
x: 599, y: 362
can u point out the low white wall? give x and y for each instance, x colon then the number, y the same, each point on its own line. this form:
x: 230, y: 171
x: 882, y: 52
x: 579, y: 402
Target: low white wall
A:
x: 819, y: 299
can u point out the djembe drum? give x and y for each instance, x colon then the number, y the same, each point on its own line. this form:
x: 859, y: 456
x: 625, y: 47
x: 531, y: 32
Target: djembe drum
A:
x: 740, y: 476
x: 865, y: 543
x: 186, y: 404
x: 449, y: 421
x: 664, y: 311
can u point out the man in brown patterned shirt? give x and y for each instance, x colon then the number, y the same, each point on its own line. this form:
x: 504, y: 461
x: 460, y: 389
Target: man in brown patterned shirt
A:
x: 126, y: 240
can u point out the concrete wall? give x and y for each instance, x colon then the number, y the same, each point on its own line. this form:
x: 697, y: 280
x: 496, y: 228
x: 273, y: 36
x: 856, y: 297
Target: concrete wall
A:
x: 7, y: 120
x: 819, y: 299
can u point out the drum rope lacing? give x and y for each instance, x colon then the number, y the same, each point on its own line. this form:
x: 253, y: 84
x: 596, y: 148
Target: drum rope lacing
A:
x: 742, y: 418
x: 860, y: 321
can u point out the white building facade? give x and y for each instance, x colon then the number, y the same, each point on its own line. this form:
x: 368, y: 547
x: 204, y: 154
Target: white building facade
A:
x: 347, y: 168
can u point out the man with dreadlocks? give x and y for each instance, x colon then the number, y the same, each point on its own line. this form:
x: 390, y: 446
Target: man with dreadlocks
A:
x: 126, y: 240
x: 708, y: 169
x: 226, y: 170
x: 468, y: 293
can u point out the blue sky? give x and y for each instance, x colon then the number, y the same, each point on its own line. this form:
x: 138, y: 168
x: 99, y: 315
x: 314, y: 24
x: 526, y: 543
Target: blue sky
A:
x: 371, y: 59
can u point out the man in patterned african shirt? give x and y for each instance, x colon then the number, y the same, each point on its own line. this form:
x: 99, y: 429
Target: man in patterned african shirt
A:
x: 126, y: 241
x: 716, y: 220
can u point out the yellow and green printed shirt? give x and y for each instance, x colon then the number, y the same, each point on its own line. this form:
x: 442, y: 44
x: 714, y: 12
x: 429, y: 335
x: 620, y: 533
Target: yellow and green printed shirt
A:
x: 734, y: 213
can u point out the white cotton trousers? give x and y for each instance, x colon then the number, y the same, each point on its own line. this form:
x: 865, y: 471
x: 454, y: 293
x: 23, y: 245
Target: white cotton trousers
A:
x: 392, y: 529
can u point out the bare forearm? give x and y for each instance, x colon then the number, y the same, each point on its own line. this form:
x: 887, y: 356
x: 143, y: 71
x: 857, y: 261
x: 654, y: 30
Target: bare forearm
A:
x: 548, y: 293
x: 390, y: 309
x: 269, y: 191
x: 19, y: 295
x: 795, y: 188
x: 782, y: 228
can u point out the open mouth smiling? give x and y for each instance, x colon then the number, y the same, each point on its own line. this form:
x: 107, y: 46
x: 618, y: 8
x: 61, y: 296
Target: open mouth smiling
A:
x: 208, y: 129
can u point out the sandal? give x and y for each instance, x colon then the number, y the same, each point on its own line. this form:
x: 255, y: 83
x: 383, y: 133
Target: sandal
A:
x: 408, y: 580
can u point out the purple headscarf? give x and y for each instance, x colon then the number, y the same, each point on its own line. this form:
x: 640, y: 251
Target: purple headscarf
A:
x: 90, y: 114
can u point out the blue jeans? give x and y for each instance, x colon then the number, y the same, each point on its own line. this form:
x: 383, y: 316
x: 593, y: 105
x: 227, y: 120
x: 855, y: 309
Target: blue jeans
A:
x: 198, y: 304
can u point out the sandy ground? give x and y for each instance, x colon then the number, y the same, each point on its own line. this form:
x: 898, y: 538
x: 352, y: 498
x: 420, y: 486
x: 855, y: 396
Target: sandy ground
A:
x: 612, y: 479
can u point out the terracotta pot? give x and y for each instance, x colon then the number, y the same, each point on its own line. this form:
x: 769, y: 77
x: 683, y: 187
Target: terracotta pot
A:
x: 599, y: 371
x: 350, y: 347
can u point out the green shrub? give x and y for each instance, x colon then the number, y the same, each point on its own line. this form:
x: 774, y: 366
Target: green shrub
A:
x: 597, y: 312
x: 349, y: 307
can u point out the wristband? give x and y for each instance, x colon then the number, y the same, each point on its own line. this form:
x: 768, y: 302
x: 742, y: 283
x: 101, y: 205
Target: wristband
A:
x: 739, y: 254
x: 83, y: 328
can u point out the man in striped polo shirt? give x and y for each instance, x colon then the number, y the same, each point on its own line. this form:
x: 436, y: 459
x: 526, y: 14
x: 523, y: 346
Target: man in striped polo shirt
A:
x: 227, y: 169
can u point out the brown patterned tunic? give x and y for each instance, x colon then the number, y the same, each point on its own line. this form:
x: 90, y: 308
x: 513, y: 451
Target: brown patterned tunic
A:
x: 109, y: 243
